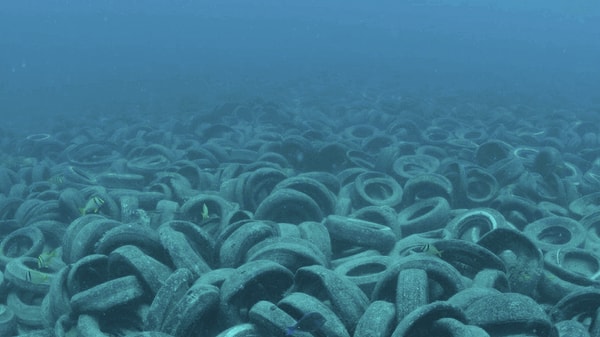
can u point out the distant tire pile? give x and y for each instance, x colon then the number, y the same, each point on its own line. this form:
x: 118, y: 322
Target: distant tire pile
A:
x: 237, y: 222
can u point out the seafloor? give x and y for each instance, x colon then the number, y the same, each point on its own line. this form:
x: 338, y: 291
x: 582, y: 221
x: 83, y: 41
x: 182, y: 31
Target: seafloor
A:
x: 390, y: 216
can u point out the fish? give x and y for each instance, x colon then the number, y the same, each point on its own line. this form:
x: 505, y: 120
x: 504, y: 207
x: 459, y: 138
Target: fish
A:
x: 310, y: 322
x: 92, y: 206
x: 45, y: 258
x: 430, y: 249
x: 35, y: 276
x: 205, y: 215
x: 57, y: 180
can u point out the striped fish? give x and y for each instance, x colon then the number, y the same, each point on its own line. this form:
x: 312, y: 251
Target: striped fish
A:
x: 92, y: 206
x: 430, y: 249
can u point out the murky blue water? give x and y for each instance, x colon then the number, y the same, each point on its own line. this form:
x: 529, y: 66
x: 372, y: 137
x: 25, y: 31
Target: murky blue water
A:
x: 138, y: 137
x: 65, y: 58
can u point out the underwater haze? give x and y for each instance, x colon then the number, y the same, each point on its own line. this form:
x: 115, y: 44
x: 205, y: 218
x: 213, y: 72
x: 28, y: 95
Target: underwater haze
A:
x: 325, y: 168
x: 70, y: 58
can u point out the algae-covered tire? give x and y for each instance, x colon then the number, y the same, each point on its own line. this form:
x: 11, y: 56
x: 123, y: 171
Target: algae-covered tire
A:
x: 423, y: 318
x: 288, y: 205
x: 233, y: 244
x: 26, y: 308
x: 448, y: 279
x: 359, y: 233
x: 23, y: 274
x: 412, y: 291
x: 520, y: 255
x: 57, y: 301
x: 86, y: 236
x: 139, y: 236
x: 472, y: 224
x: 290, y: 252
x: 424, y: 215
x: 25, y: 241
x: 193, y: 312
x: 107, y: 295
x: 525, y: 316
x: 364, y: 271
x: 346, y: 298
x: 467, y: 257
x: 556, y: 232
x: 376, y: 189
x: 298, y: 304
x: 266, y: 317
x: 128, y: 259
x: 377, y: 321
x: 409, y: 166
x: 167, y: 297
x: 8, y: 321
x: 252, y: 282
x: 187, y: 245
x: 427, y: 185
x: 92, y: 155
x: 148, y: 165
x: 316, y: 190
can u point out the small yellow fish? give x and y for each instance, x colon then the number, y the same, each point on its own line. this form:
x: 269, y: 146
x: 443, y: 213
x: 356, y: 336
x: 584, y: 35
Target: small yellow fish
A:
x: 205, y: 215
x: 430, y: 249
x: 45, y: 258
x: 92, y: 206
x: 57, y: 180
x: 35, y: 276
